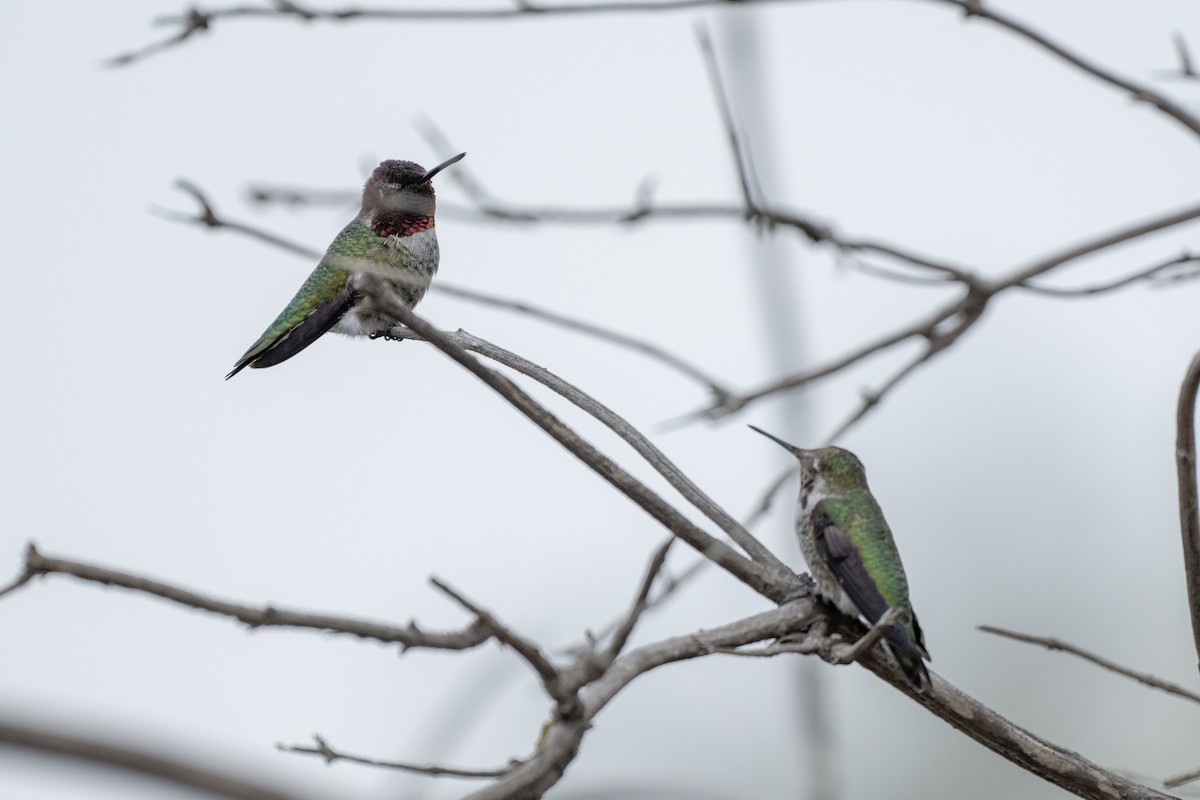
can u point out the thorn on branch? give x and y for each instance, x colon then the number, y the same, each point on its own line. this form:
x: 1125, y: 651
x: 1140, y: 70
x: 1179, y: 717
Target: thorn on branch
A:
x: 28, y: 572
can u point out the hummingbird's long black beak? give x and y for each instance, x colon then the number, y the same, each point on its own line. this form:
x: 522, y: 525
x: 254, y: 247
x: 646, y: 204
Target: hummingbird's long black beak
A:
x: 454, y: 160
x: 789, y: 447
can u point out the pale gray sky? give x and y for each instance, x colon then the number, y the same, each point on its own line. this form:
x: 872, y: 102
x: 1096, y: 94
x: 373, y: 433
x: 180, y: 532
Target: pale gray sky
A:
x: 1028, y: 473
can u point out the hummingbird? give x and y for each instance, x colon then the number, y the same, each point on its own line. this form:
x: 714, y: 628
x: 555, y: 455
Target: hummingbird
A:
x: 392, y: 240
x: 850, y: 550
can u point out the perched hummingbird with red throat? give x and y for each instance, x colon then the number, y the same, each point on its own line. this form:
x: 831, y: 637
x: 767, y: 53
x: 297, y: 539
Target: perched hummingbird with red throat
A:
x: 392, y: 239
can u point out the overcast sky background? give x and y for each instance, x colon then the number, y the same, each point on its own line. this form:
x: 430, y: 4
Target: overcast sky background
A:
x: 1028, y: 473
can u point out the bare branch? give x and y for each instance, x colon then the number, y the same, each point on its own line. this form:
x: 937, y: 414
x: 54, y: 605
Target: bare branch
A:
x: 776, y: 584
x: 530, y: 778
x: 191, y: 23
x: 642, y: 346
x: 407, y: 637
x: 322, y: 748
x: 1186, y: 69
x: 1152, y: 274
x: 1055, y: 764
x: 640, y: 604
x: 616, y: 423
x: 1058, y: 765
x: 104, y: 750
x: 1189, y: 508
x: 855, y: 651
x: 562, y: 739
x: 1088, y: 247
x: 1138, y: 91
x: 938, y: 342
x: 736, y: 146
x: 961, y: 315
x: 1052, y: 643
x: 1181, y: 779
x: 195, y: 21
x: 23, y: 578
x: 208, y: 217
x: 673, y: 583
x: 631, y: 435
x: 488, y: 209
x: 888, y: 274
x: 522, y: 646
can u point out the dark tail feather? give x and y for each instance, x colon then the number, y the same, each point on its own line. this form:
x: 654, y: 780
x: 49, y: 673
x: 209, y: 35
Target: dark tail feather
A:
x: 913, y: 667
x: 287, y: 345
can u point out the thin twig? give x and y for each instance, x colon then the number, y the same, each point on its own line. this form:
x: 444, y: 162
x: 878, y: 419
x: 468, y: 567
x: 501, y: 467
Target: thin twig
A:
x: 736, y: 147
x: 1186, y: 68
x: 562, y: 739
x: 104, y: 750
x: 1148, y: 275
x: 23, y: 578
x: 487, y: 209
x: 1186, y: 71
x: 621, y: 636
x: 762, y: 578
x: 641, y: 346
x: 855, y: 651
x: 532, y: 777
x: 407, y: 637
x: 523, y: 647
x: 1189, y: 508
x: 1182, y: 778
x: 1051, y: 643
x: 960, y: 315
x: 938, y: 342
x: 1138, y: 91
x: 322, y: 748
x: 194, y: 20
x: 653, y: 456
x: 673, y: 583
x: 207, y: 216
x: 191, y: 23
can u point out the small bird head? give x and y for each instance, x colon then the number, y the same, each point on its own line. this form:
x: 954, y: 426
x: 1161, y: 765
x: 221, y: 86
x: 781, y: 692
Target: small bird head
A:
x: 827, y: 470
x: 403, y: 187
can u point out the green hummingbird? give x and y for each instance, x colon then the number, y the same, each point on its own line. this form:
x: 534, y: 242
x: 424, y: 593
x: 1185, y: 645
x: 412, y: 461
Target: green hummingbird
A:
x: 392, y: 238
x: 850, y: 550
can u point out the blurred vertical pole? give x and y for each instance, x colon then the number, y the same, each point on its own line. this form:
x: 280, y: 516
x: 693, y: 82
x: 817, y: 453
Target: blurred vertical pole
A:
x: 777, y: 282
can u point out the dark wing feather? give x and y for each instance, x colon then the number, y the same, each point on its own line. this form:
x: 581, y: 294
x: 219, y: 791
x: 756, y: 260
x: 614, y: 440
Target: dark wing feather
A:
x: 836, y: 549
x: 291, y: 342
x: 839, y: 552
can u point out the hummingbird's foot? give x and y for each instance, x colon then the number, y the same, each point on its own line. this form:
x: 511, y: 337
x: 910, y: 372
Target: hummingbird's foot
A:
x: 398, y: 336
